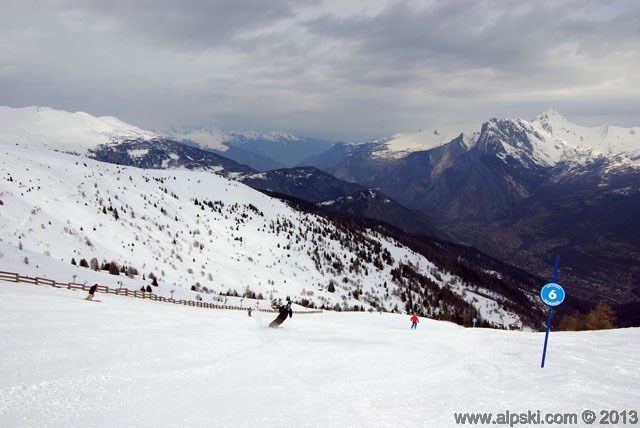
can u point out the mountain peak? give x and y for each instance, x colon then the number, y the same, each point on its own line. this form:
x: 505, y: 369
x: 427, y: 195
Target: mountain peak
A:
x: 605, y: 140
x: 62, y: 130
x: 551, y: 113
x: 550, y: 119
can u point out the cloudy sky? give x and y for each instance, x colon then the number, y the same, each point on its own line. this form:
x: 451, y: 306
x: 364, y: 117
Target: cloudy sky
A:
x: 335, y: 68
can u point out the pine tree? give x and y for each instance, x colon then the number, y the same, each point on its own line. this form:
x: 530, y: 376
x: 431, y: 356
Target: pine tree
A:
x: 601, y: 317
x: 574, y: 322
x: 113, y: 268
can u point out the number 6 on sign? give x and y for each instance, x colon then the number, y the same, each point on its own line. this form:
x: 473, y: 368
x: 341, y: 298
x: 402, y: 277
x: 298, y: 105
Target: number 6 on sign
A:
x: 552, y: 294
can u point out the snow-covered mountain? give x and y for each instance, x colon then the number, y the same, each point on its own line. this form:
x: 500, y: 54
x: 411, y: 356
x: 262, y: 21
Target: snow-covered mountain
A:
x: 582, y: 144
x: 65, y: 131
x: 403, y: 144
x: 127, y: 145
x: 334, y: 195
x: 161, y: 153
x: 523, y: 191
x: 217, y: 139
x: 200, y: 231
x: 262, y: 151
x: 549, y: 139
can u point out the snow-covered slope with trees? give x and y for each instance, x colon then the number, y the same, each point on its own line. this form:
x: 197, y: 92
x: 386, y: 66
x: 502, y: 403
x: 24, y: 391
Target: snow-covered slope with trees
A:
x: 202, y: 232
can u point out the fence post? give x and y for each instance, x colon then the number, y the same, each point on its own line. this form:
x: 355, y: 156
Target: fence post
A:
x: 16, y: 277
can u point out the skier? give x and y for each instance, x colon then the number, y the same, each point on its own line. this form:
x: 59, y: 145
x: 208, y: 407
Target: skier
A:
x: 249, y: 311
x: 289, y: 310
x: 92, y: 291
x: 414, y: 321
x: 283, y: 312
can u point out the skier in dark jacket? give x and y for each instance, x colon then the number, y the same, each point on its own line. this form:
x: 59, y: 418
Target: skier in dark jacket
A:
x: 283, y: 312
x: 92, y: 291
x: 289, y: 310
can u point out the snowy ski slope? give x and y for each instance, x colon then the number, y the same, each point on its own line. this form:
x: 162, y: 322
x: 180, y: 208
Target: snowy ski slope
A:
x: 57, y: 206
x: 66, y: 362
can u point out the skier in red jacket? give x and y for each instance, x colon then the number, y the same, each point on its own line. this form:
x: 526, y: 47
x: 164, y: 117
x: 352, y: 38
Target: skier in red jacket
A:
x: 414, y: 321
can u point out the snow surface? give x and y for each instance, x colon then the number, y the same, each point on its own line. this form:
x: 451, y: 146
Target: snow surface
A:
x: 64, y: 131
x: 126, y: 362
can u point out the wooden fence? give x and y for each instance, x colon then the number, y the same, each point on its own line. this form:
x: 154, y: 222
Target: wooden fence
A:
x: 17, y: 278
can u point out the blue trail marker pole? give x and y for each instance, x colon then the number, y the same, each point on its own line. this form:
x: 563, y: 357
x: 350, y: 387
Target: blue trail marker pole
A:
x: 546, y: 337
x: 555, y: 271
x: 552, y: 294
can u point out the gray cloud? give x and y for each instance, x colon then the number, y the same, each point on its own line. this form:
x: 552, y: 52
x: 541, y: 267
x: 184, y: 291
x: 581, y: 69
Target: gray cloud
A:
x: 348, y: 70
x: 487, y: 39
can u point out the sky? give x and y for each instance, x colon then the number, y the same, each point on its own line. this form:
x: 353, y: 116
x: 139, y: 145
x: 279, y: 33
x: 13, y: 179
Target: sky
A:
x: 331, y: 69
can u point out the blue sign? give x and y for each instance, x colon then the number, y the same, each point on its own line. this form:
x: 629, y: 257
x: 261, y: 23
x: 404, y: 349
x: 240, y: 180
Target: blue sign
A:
x: 552, y: 294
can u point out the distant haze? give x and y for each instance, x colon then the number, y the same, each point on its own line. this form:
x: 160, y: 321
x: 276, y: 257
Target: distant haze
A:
x: 328, y: 69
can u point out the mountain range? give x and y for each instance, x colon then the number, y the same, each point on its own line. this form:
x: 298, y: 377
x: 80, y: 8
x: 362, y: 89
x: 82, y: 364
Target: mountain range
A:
x: 524, y: 192
x: 202, y: 235
x: 262, y: 151
x: 109, y: 140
